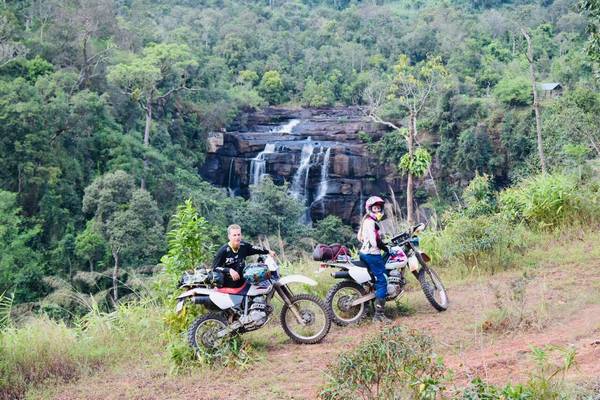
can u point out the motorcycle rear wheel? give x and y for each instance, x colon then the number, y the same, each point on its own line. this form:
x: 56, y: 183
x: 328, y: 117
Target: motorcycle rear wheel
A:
x: 203, y: 331
x: 338, y: 301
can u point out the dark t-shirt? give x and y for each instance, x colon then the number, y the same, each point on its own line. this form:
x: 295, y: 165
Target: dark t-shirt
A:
x: 227, y: 259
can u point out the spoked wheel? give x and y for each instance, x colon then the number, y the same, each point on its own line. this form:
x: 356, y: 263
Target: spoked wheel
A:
x: 308, y: 322
x: 433, y: 288
x: 339, y: 301
x: 203, y: 332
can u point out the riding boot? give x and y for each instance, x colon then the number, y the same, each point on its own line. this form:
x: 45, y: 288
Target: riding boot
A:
x: 379, y: 315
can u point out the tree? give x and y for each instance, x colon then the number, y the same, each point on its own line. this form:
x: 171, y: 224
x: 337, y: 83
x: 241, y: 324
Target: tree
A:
x: 190, y: 240
x: 331, y: 229
x: 151, y: 79
x: 536, y: 102
x: 513, y: 91
x: 90, y: 245
x: 317, y: 95
x: 272, y: 212
x: 592, y: 7
x: 410, y: 91
x: 128, y: 220
x: 9, y: 49
x: 271, y: 87
x: 21, y: 268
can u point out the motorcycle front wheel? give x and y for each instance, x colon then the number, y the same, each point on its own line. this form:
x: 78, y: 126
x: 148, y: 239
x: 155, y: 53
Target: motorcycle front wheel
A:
x: 306, y: 319
x: 433, y: 288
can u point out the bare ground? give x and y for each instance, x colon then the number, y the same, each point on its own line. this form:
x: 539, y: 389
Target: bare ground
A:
x: 562, y: 308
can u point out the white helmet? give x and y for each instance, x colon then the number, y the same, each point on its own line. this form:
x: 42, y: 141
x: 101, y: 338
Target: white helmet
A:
x: 373, y: 201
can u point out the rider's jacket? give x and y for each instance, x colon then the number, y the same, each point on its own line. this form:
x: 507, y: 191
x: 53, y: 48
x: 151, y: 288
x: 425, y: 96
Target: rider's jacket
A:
x: 371, y: 237
x: 227, y: 259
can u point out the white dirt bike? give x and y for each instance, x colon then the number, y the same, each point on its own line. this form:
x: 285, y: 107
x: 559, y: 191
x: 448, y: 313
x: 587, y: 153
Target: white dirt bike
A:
x: 304, y: 317
x: 347, y: 299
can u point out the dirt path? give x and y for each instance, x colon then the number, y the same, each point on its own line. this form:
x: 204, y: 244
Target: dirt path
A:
x: 562, y: 307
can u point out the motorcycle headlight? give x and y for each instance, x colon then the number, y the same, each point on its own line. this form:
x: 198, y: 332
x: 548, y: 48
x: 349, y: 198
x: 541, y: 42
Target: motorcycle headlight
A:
x: 415, y: 241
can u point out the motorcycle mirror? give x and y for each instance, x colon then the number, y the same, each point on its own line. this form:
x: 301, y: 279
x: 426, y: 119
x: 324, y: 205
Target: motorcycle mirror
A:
x: 419, y: 228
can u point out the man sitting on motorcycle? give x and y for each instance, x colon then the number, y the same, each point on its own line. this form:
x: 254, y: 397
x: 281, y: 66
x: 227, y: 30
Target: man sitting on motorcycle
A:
x: 370, y: 252
x: 230, y: 258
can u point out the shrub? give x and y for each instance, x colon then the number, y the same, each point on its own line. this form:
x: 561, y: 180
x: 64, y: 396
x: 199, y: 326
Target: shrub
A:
x: 479, y: 196
x: 331, y: 229
x: 513, y: 313
x: 397, y: 363
x: 549, y: 201
x: 486, y: 241
x: 545, y: 382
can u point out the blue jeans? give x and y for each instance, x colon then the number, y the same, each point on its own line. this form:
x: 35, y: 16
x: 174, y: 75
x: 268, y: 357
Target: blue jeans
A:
x: 377, y: 267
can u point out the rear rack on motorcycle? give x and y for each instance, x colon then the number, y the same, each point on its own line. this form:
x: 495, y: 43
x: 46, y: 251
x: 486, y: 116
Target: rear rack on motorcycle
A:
x: 335, y: 264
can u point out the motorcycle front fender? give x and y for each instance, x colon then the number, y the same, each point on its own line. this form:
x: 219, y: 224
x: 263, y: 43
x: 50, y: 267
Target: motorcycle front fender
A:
x: 296, y: 279
x: 179, y: 306
x: 413, y: 263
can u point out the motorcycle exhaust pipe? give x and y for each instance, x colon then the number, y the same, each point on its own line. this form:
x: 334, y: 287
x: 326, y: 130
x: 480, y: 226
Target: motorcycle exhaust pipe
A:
x: 204, y: 300
x: 341, y: 274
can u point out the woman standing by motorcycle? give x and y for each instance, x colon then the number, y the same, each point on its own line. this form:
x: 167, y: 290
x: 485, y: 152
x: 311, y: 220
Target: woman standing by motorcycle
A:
x: 370, y: 252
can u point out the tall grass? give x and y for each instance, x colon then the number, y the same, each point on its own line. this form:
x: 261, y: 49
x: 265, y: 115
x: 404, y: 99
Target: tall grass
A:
x: 495, y: 231
x: 40, y: 348
x: 551, y: 201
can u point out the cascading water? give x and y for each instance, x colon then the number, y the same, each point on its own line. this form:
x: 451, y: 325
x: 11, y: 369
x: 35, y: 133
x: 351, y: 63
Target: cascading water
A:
x: 287, y: 127
x: 259, y: 163
x: 230, y: 190
x: 300, y: 181
x: 324, y: 175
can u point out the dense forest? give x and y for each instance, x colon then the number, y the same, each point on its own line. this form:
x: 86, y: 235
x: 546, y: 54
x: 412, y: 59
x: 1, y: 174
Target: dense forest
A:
x: 105, y: 107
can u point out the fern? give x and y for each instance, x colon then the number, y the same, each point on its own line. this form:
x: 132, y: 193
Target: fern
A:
x: 6, y: 305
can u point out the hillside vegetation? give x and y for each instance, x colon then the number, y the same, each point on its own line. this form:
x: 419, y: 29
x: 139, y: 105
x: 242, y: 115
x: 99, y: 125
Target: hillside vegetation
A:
x: 105, y: 110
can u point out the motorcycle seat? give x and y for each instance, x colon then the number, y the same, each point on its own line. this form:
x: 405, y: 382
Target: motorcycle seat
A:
x: 240, y: 290
x: 359, y: 263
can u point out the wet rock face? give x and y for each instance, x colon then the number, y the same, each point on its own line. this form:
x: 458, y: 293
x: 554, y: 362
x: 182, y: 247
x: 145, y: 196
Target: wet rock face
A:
x: 291, y: 146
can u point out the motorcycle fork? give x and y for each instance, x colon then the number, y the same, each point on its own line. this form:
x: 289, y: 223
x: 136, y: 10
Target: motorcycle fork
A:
x: 286, y: 294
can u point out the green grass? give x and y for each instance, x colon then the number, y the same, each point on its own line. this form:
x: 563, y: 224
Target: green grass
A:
x: 43, y: 349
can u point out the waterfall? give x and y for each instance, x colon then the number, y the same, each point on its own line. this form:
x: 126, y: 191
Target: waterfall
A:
x: 324, y: 175
x: 300, y: 181
x: 287, y: 127
x: 259, y: 164
x: 230, y: 190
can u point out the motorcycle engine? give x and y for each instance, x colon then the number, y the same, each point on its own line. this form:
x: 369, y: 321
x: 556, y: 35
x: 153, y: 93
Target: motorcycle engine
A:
x: 258, y: 313
x: 395, y: 284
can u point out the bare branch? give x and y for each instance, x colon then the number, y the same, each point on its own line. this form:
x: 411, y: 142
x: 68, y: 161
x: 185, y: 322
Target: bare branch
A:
x: 378, y: 119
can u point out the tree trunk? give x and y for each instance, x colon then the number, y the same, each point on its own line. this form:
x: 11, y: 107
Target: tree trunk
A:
x: 409, y: 183
x: 536, y: 103
x: 115, y: 277
x: 147, y: 139
x: 91, y: 265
